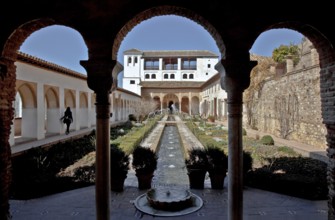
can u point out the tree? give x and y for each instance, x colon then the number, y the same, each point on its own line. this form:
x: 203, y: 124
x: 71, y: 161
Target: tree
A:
x: 143, y: 108
x: 280, y: 54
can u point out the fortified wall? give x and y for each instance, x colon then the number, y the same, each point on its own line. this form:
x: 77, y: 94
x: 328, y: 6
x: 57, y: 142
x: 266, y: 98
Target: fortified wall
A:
x: 284, y: 99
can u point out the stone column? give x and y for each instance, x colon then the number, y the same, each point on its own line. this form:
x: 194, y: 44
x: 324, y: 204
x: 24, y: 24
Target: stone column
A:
x: 100, y: 79
x: 7, y: 96
x: 61, y: 107
x: 40, y: 111
x: 235, y: 78
x: 77, y: 111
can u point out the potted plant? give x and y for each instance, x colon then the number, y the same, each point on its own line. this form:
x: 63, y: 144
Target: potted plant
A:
x: 217, y: 166
x: 144, y: 163
x: 196, y: 165
x: 119, y: 167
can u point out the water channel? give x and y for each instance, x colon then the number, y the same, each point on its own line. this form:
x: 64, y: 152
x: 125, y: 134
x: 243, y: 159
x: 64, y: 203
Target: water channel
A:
x: 171, y: 170
x: 170, y: 179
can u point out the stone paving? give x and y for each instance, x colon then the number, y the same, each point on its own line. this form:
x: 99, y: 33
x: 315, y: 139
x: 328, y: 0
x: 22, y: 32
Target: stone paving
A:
x: 171, y: 172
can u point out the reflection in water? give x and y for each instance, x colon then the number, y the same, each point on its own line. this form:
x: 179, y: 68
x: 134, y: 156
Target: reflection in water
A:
x: 171, y: 170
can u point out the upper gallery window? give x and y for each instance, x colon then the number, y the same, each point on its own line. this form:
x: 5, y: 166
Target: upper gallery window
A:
x: 170, y: 63
x: 151, y: 64
x: 189, y: 64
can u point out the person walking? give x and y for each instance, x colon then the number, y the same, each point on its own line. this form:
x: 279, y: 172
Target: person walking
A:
x: 67, y: 119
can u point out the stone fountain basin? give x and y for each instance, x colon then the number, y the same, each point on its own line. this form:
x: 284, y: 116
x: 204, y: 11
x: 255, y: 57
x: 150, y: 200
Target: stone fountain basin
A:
x: 169, y: 199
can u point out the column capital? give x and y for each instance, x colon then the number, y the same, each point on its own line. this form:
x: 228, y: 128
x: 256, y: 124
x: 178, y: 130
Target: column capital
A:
x: 99, y: 74
x: 235, y: 73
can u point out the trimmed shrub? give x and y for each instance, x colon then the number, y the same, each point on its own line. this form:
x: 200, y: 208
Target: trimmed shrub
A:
x: 132, y: 117
x: 267, y: 140
x: 247, y: 162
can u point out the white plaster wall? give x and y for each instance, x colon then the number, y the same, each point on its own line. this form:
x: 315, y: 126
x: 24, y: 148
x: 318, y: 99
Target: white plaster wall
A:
x: 132, y: 69
x: 132, y: 87
x: 53, y: 121
x: 29, y: 123
x: 83, y: 118
x: 202, y: 68
x: 32, y: 73
x: 211, y: 92
x: 123, y: 110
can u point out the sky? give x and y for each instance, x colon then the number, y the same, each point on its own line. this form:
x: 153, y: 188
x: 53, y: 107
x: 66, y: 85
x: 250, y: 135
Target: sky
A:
x: 65, y: 46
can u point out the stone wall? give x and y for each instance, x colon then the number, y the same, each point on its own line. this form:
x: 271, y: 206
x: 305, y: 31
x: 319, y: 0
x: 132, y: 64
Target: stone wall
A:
x: 288, y: 104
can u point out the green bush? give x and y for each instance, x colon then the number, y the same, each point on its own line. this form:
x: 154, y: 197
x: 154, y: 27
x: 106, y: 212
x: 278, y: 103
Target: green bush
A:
x: 144, y: 159
x: 38, y: 167
x: 247, y: 162
x: 267, y: 140
x: 132, y: 117
x: 295, y: 176
x: 217, y: 160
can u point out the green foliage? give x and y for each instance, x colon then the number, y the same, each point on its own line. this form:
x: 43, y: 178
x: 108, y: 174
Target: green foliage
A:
x: 296, y: 176
x: 196, y: 158
x: 287, y: 150
x: 85, y: 174
x: 144, y: 159
x: 280, y: 54
x: 119, y: 160
x: 247, y: 162
x: 132, y: 117
x: 267, y: 140
x: 38, y: 167
x: 216, y: 158
x: 134, y: 137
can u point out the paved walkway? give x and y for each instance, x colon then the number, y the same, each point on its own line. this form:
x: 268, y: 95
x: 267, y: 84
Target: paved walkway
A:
x: 80, y: 203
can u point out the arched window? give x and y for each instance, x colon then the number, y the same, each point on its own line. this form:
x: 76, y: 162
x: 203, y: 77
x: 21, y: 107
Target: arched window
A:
x: 147, y: 76
x: 135, y: 60
x: 166, y: 76
x: 191, y: 76
x: 172, y: 76
x: 129, y: 60
x: 153, y: 76
x: 184, y: 76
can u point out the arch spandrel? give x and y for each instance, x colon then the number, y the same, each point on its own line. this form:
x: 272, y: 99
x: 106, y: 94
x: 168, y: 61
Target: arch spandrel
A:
x: 167, y: 10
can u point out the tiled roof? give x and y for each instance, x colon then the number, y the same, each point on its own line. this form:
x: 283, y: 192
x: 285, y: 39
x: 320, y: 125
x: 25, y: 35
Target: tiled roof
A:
x: 172, y: 53
x: 133, y: 51
x: 48, y: 65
